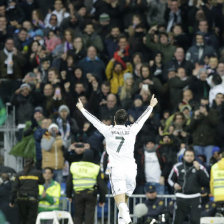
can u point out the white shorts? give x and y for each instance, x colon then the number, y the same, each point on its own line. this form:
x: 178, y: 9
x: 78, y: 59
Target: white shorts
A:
x: 123, y: 181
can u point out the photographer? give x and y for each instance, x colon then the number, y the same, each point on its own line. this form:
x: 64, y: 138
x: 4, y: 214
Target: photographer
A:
x: 75, y: 151
x: 203, y: 127
x: 187, y: 178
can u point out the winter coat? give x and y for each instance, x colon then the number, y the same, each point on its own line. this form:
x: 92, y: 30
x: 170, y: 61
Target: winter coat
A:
x: 52, y: 154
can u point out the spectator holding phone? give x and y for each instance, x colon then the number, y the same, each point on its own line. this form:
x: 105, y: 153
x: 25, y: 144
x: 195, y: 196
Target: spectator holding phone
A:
x: 52, y: 154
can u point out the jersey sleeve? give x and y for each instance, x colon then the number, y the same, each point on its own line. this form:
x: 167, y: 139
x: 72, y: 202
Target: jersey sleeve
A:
x: 136, y: 127
x: 100, y: 126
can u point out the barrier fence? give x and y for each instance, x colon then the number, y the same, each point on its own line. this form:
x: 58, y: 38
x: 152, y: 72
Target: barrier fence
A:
x: 108, y: 214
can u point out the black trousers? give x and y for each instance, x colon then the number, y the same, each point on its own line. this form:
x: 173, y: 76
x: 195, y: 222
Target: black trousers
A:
x: 85, y: 202
x: 27, y: 211
x: 187, y: 206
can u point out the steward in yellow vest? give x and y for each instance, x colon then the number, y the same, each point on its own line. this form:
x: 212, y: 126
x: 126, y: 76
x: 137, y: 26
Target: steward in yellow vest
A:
x: 49, y: 192
x: 217, y: 180
x: 85, y: 180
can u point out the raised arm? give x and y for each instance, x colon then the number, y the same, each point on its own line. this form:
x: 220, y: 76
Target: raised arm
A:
x: 92, y: 119
x: 142, y: 119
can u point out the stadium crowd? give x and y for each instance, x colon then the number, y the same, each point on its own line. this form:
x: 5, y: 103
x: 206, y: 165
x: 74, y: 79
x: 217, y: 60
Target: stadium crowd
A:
x: 114, y: 54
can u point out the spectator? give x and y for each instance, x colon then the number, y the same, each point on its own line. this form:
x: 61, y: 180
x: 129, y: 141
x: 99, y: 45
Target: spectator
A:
x: 210, y: 38
x: 49, y: 192
x: 24, y: 103
x: 199, y: 85
x: 67, y: 126
x: 136, y: 110
x: 110, y: 107
x: 52, y: 154
x: 115, y: 73
x: 84, y: 178
x: 149, y: 168
x: 159, y: 42
x: 175, y: 15
x: 197, y: 52
x: 59, y: 11
x: 122, y: 55
x: 167, y: 150
x: 218, y: 88
x: 203, y: 127
x: 111, y: 41
x: 93, y: 64
x: 52, y: 24
x: 91, y: 38
x: 78, y: 52
x: 187, y: 186
x: 127, y: 91
x: 11, y: 61
x: 180, y: 61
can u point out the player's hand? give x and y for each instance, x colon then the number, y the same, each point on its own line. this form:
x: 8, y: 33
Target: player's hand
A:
x: 79, y: 105
x: 153, y: 101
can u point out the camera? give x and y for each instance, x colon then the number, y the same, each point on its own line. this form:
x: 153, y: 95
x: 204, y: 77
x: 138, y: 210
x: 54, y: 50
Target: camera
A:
x: 79, y: 145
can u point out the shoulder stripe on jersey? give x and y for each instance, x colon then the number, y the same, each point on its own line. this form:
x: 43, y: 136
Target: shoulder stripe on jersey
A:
x: 28, y: 178
x: 94, y: 117
x: 143, y: 114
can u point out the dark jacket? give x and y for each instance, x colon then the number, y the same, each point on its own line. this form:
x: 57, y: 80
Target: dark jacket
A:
x: 18, y: 63
x: 204, y: 129
x: 140, y: 160
x: 168, y: 153
x: 189, y: 178
x: 26, y: 185
x: 155, y: 207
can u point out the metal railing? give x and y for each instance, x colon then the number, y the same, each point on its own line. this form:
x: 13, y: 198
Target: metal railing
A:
x: 108, y: 214
x: 9, y: 130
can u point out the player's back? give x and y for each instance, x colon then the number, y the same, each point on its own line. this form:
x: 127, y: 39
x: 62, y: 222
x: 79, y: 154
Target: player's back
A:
x: 120, y: 141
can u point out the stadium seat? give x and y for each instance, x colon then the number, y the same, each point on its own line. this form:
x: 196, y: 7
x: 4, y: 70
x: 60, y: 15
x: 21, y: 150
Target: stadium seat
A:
x: 213, y: 220
x: 55, y: 216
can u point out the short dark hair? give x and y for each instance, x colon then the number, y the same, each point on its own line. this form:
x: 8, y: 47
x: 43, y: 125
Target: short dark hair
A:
x: 49, y: 168
x: 121, y: 117
x: 189, y: 149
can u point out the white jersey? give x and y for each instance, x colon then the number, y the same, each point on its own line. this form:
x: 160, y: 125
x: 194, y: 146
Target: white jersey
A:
x: 120, y: 139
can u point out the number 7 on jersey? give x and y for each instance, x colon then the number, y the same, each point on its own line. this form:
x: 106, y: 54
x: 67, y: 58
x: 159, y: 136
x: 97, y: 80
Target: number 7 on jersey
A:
x: 121, y: 142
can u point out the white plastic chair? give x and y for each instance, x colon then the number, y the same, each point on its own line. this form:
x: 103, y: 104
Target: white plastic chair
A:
x: 213, y: 220
x: 47, y: 216
x: 64, y: 215
x: 54, y: 216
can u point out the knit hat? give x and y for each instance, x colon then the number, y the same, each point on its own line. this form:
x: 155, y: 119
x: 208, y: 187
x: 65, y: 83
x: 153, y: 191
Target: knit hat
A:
x: 39, y: 109
x: 63, y: 107
x: 104, y: 17
x: 53, y: 126
x: 25, y: 85
x: 128, y: 75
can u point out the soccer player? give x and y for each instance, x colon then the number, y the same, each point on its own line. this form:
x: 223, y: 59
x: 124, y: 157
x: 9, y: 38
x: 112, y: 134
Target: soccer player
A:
x: 120, y: 141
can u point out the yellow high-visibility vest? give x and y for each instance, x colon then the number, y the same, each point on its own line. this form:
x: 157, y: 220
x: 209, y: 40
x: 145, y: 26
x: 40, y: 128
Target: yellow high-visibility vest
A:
x: 84, y: 175
x: 53, y: 191
x: 217, y: 181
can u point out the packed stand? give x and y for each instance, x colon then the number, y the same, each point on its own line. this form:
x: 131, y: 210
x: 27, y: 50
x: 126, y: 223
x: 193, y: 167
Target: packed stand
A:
x: 114, y: 54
